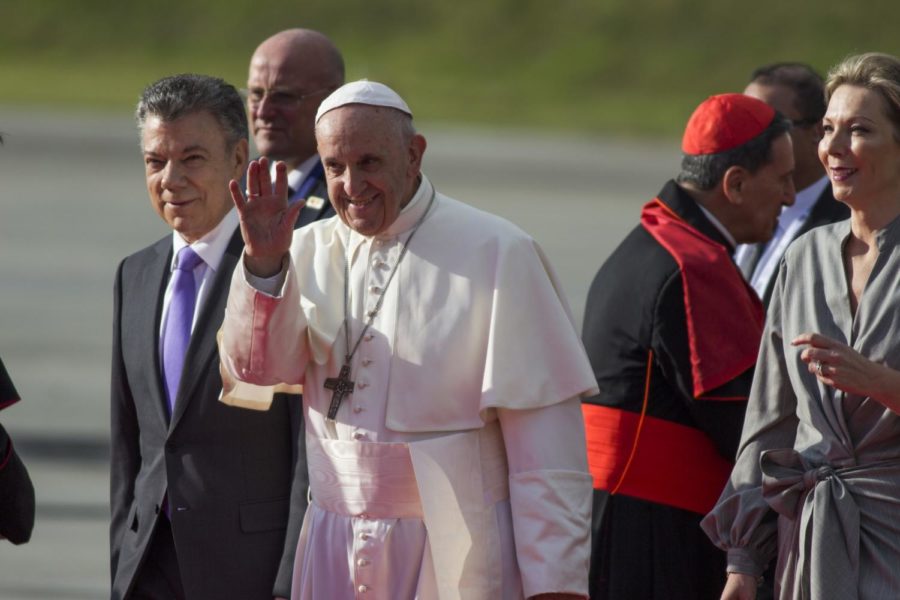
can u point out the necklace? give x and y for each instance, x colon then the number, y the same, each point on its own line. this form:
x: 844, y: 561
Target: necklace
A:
x: 342, y: 385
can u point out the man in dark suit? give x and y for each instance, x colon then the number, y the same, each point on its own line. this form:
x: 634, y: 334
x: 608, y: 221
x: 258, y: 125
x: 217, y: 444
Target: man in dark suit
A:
x: 206, y: 499
x: 290, y: 74
x: 796, y: 91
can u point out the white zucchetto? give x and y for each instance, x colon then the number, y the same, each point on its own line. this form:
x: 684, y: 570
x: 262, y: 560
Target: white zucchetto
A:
x: 363, y: 92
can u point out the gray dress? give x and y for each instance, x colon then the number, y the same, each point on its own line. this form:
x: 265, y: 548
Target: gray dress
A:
x: 817, y: 478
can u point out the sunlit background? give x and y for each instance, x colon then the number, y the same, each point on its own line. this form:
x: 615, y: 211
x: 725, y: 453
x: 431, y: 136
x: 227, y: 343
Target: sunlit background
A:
x: 628, y: 66
x: 561, y: 115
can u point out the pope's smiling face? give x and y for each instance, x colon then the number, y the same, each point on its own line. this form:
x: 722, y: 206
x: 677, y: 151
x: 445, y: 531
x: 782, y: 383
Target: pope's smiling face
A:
x: 372, y: 163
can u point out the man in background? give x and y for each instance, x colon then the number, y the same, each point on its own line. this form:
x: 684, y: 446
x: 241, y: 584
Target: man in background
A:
x: 206, y: 499
x: 290, y: 74
x: 798, y: 92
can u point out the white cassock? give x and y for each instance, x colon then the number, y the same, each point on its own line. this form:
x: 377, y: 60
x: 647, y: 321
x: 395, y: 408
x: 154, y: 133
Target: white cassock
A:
x: 457, y: 467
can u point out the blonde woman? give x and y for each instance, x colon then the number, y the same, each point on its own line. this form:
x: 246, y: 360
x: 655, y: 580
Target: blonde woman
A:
x: 816, y: 486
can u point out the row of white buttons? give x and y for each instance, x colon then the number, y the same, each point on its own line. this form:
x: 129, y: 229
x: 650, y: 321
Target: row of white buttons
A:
x: 379, y: 272
x: 362, y: 561
x: 374, y: 289
x: 362, y: 384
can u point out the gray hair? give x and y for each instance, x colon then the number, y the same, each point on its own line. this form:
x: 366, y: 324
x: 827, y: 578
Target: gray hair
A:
x: 874, y: 71
x: 179, y: 95
x: 406, y: 126
x: 705, y: 171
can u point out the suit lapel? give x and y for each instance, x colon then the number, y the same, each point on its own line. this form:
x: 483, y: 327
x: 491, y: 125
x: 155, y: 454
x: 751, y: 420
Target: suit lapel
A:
x: 202, y: 347
x: 149, y: 314
x: 308, y: 214
x: 826, y: 210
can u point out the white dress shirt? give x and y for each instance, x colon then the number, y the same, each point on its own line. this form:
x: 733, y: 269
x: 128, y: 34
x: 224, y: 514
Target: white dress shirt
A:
x: 296, y: 176
x: 718, y: 225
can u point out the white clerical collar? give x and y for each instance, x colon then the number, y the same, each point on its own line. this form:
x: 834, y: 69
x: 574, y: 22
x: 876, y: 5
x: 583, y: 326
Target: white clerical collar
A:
x: 296, y: 176
x: 718, y: 225
x: 412, y: 212
x: 406, y: 220
x: 210, y: 247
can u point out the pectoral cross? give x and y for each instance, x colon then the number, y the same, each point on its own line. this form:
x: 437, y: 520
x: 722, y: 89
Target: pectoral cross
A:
x: 340, y: 386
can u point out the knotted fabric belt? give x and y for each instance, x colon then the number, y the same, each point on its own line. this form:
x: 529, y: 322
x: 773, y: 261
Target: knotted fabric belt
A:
x: 819, y: 500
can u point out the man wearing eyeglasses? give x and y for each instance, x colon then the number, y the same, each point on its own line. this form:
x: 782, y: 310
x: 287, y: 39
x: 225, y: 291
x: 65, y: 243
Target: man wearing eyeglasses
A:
x: 290, y: 74
x: 796, y: 91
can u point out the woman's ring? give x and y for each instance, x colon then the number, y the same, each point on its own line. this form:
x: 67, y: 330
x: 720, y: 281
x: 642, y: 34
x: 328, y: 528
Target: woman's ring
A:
x: 819, y: 367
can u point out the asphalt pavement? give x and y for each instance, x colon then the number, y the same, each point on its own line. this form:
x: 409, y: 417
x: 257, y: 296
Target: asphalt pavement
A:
x: 73, y: 204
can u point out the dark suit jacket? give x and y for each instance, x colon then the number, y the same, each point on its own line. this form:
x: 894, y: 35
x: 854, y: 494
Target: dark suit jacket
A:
x: 16, y: 494
x: 236, y: 479
x: 826, y: 210
x: 308, y: 214
x: 16, y: 489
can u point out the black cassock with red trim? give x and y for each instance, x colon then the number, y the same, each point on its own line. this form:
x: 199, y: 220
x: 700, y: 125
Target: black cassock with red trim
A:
x: 672, y: 332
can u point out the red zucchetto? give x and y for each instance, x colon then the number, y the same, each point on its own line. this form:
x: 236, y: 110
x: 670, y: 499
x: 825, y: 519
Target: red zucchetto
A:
x: 724, y: 122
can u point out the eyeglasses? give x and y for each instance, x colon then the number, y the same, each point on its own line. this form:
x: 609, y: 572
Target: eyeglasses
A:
x: 278, y: 98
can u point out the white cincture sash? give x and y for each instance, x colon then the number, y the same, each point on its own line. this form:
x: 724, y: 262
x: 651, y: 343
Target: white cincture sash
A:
x: 355, y: 478
x: 451, y: 482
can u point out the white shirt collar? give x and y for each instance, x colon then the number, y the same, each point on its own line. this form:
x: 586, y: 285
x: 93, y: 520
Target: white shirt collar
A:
x: 803, y: 203
x: 210, y: 247
x: 407, y: 218
x: 296, y: 176
x: 412, y: 212
x: 718, y: 225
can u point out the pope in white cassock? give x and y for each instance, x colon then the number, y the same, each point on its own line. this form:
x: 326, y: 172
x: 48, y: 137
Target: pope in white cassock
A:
x: 440, y: 368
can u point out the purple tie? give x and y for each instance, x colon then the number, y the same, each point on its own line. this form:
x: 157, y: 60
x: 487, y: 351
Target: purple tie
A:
x: 178, y: 321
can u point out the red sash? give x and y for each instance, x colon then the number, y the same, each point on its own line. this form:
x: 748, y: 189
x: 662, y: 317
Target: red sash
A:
x: 653, y: 459
x: 724, y: 315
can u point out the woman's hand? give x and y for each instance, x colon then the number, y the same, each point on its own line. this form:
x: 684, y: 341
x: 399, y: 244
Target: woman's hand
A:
x: 739, y: 586
x: 843, y: 368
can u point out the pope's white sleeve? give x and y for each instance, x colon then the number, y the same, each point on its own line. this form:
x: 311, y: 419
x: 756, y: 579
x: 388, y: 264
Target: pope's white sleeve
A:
x: 263, y: 336
x: 550, y: 496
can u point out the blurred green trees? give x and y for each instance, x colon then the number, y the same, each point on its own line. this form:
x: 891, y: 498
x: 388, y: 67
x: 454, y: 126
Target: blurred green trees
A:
x: 635, y: 66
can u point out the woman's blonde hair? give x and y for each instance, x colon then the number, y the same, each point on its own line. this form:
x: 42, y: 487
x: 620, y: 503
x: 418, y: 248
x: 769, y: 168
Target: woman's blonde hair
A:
x: 874, y: 71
